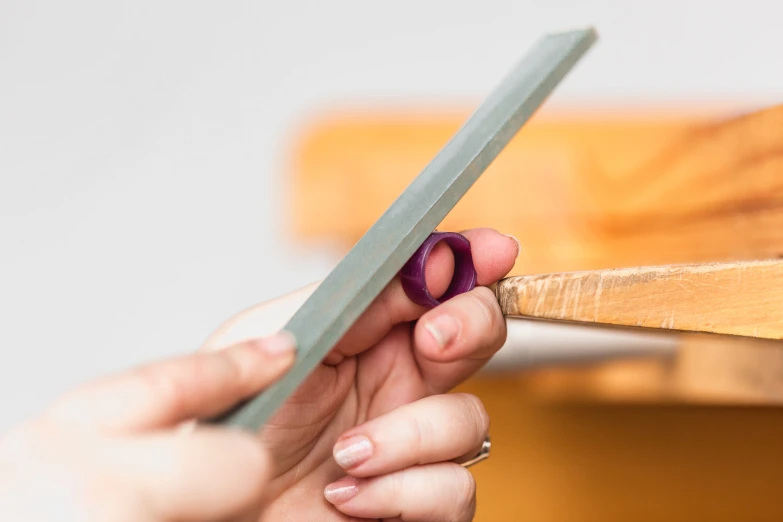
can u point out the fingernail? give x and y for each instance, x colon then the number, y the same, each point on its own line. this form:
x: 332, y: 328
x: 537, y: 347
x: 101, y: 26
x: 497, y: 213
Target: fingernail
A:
x: 444, y: 329
x: 341, y: 491
x: 352, y: 451
x: 519, y: 246
x: 282, y: 342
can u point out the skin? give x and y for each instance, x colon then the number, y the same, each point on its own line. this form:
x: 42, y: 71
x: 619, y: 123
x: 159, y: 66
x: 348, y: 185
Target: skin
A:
x: 372, y: 434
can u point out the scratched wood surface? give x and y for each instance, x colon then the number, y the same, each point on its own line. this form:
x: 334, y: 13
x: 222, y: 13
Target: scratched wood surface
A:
x: 735, y: 298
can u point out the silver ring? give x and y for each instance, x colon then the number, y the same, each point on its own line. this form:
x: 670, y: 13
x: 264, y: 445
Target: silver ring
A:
x: 483, y: 453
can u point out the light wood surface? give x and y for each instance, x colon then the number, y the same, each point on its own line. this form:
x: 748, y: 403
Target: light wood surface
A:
x: 735, y: 298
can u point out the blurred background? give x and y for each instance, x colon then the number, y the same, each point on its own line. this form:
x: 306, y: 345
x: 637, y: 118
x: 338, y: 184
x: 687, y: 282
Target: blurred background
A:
x: 154, y: 167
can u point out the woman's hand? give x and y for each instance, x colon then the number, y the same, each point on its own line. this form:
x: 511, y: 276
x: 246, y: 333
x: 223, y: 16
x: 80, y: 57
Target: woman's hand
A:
x: 372, y: 433
x: 404, y: 464
x: 113, y: 451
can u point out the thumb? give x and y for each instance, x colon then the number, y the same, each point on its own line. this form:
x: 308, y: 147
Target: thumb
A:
x: 167, y: 393
x: 205, y: 475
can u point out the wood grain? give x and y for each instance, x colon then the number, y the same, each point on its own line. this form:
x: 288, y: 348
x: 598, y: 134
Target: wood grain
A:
x: 580, y: 192
x: 734, y: 298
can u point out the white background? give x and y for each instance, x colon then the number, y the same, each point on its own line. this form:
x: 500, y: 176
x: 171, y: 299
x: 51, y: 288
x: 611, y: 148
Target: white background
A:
x: 143, y: 144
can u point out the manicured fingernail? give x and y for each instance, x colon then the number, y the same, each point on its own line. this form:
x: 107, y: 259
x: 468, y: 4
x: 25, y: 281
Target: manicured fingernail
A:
x: 282, y: 342
x: 519, y: 246
x: 444, y: 329
x: 352, y: 451
x: 341, y: 491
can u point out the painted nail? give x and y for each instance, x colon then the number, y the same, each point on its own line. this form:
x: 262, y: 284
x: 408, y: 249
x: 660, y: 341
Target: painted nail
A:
x: 282, y: 342
x: 341, y: 491
x: 519, y: 246
x: 352, y: 451
x: 444, y: 329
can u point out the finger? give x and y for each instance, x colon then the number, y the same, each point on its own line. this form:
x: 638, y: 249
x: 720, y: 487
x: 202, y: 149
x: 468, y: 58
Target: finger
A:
x: 435, y: 492
x: 453, y: 340
x: 209, y: 474
x: 167, y: 393
x: 433, y: 429
x: 493, y: 255
x: 470, y: 325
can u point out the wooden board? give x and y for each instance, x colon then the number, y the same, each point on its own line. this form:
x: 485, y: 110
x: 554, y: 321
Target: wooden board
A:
x: 579, y: 192
x: 734, y: 298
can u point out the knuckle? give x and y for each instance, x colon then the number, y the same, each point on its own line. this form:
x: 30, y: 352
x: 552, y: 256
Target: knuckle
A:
x: 419, y: 432
x: 479, y: 416
x: 489, y: 311
x: 394, y: 307
x: 397, y: 484
x: 464, y: 489
x: 240, y: 365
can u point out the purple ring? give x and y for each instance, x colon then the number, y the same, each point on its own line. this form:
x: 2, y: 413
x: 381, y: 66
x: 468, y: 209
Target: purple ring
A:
x: 464, y: 280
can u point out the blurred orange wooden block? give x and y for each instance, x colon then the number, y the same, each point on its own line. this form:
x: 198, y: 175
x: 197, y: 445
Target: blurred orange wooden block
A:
x: 578, y: 192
